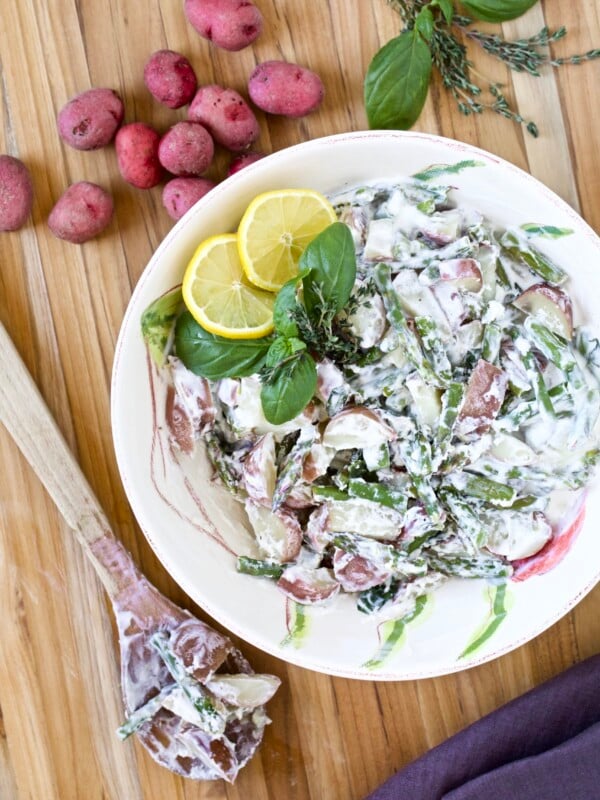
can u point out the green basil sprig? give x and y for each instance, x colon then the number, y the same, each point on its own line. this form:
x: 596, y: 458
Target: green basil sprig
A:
x: 497, y: 10
x: 215, y: 357
x: 397, y: 81
x: 327, y: 274
x: 328, y: 266
x: 292, y: 383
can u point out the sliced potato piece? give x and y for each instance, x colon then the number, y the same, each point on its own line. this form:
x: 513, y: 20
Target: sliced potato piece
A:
x: 356, y: 573
x: 483, y: 398
x: 354, y: 427
x: 518, y: 535
x: 259, y: 472
x: 278, y: 533
x: 243, y: 691
x: 365, y: 517
x: 462, y: 273
x: 308, y: 586
x: 512, y: 450
x: 426, y: 398
x: 551, y: 305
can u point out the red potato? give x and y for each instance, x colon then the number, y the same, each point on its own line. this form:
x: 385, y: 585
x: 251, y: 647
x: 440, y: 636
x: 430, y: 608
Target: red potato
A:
x: 91, y: 119
x: 308, y: 586
x: 230, y: 24
x: 83, y: 211
x: 180, y: 194
x: 243, y: 160
x: 226, y: 115
x: 462, y: 273
x: 280, y: 87
x: 552, y: 553
x: 16, y: 193
x: 483, y: 398
x: 186, y: 149
x: 551, y: 305
x: 137, y: 155
x: 356, y: 573
x: 189, y: 409
x: 259, y: 472
x: 356, y: 427
x: 170, y: 78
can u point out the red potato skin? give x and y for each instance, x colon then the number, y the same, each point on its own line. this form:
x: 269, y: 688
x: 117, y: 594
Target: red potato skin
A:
x: 552, y: 553
x: 226, y: 115
x: 186, y: 149
x: 280, y: 87
x: 243, y: 160
x: 483, y: 398
x: 91, y: 119
x: 555, y: 295
x: 16, y: 193
x: 170, y: 78
x: 83, y: 211
x: 137, y: 155
x: 229, y: 24
x: 463, y: 272
x: 180, y: 194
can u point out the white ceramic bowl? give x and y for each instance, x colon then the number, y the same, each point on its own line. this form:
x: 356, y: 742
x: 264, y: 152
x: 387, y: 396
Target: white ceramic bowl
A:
x: 194, y: 526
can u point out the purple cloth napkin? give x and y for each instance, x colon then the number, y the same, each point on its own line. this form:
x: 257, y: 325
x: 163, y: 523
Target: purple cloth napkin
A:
x: 544, y: 745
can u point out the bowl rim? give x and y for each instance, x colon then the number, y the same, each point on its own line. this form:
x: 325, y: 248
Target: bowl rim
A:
x: 296, y: 656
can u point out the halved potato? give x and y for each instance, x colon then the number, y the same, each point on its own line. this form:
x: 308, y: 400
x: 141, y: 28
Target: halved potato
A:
x: 551, y: 305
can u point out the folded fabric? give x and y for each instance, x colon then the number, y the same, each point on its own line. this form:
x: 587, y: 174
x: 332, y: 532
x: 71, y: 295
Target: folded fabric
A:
x: 544, y: 745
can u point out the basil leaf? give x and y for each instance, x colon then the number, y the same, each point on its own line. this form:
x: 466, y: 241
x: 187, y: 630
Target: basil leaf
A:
x: 157, y: 323
x: 330, y: 261
x: 215, y: 357
x: 285, y: 302
x: 497, y: 10
x: 289, y: 391
x: 424, y: 23
x: 446, y: 7
x: 282, y: 348
x: 397, y: 81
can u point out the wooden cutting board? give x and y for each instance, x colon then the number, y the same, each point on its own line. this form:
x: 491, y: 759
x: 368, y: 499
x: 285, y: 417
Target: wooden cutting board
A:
x: 331, y: 739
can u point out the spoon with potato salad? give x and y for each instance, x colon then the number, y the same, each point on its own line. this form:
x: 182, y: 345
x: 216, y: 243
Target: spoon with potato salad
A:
x: 192, y: 699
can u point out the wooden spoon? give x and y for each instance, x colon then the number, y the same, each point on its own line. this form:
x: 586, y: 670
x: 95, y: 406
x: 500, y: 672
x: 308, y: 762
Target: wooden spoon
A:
x: 193, y: 699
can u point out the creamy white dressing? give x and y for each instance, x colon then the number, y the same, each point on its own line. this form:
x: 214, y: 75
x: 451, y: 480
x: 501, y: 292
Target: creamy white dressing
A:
x: 445, y: 262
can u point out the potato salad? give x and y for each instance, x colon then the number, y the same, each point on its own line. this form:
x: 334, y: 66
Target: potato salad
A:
x: 453, y: 416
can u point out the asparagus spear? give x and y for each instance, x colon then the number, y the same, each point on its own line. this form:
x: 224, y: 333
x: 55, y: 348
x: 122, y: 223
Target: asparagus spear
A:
x: 378, y: 493
x: 463, y: 565
x: 397, y: 320
x: 451, y: 402
x: 291, y: 470
x: 211, y: 712
x: 537, y: 262
x: 396, y: 561
x: 144, y: 713
x: 259, y: 567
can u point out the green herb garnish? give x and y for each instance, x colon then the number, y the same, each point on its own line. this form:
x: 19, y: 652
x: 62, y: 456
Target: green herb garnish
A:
x: 434, y: 36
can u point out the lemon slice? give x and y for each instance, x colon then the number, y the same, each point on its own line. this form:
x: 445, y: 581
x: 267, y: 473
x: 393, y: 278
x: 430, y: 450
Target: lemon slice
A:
x: 219, y: 295
x: 275, y: 230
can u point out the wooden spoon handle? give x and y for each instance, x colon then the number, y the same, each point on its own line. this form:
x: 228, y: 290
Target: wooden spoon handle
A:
x: 27, y: 418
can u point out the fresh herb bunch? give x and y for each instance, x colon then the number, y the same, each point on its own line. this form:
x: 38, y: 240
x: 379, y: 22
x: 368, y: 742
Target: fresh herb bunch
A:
x: 398, y: 77
x: 307, y: 323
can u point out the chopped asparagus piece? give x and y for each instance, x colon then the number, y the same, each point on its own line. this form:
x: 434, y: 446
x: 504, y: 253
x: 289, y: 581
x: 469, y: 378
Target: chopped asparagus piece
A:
x: 259, y: 567
x: 212, y: 714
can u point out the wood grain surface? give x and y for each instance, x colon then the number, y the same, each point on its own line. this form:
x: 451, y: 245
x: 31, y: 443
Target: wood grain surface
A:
x: 331, y: 739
